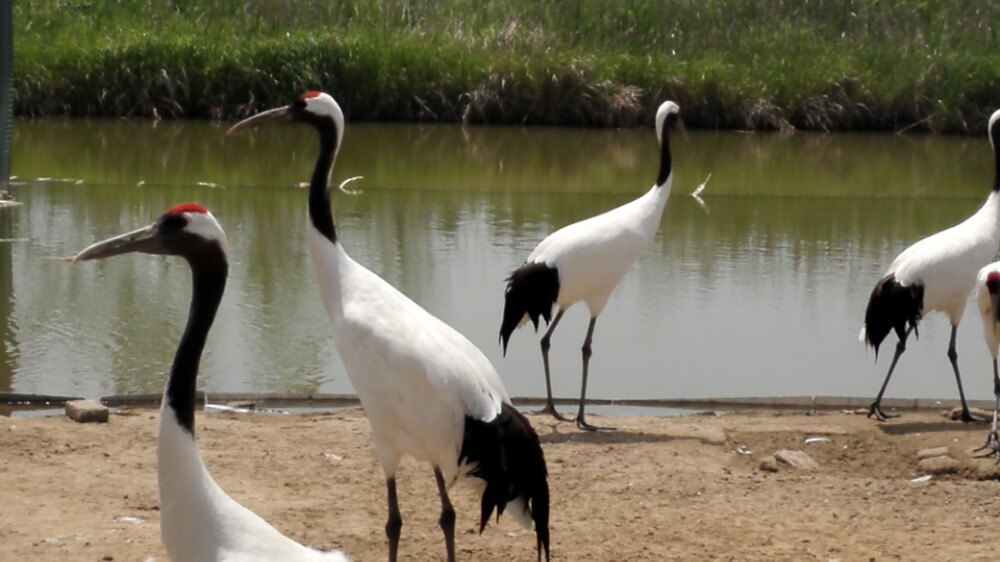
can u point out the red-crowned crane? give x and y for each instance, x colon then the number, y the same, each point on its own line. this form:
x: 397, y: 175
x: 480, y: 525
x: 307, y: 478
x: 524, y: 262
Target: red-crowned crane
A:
x: 988, y: 301
x: 198, y: 521
x: 935, y: 274
x: 585, y: 261
x: 427, y: 391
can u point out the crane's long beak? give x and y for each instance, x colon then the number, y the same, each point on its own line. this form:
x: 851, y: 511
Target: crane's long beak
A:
x: 276, y: 115
x: 144, y: 240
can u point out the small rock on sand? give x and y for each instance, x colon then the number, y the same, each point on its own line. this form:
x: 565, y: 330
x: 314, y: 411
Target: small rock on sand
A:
x: 938, y: 465
x: 769, y: 464
x: 796, y: 459
x: 86, y: 411
x: 931, y: 453
x: 788, y: 457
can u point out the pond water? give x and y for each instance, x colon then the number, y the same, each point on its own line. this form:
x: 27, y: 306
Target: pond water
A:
x: 760, y: 294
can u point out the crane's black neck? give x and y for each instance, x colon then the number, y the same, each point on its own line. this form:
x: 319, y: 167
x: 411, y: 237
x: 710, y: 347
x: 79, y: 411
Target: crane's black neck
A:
x: 665, y: 161
x: 209, y: 269
x: 995, y: 138
x: 320, y: 212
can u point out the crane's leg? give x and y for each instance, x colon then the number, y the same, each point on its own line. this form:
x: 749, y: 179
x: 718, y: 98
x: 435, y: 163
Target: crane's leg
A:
x: 395, y: 522
x: 550, y: 405
x: 447, y: 520
x: 953, y: 356
x: 581, y: 421
x: 876, y: 407
x: 992, y: 445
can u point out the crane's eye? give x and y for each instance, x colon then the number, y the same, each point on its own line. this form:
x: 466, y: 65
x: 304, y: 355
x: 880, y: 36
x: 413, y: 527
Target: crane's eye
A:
x: 172, y: 224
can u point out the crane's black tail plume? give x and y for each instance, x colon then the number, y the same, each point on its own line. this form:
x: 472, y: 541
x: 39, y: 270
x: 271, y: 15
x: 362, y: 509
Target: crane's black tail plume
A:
x: 508, y: 457
x: 532, y: 290
x: 892, y: 307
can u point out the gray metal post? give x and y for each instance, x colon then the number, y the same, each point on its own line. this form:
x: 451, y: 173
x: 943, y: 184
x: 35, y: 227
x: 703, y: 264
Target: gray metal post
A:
x: 7, y: 356
x: 6, y: 89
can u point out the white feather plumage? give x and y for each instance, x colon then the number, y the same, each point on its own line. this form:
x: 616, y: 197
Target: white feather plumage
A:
x: 947, y: 262
x: 199, y: 521
x: 935, y: 274
x: 593, y: 255
x: 416, y: 376
x: 427, y: 391
x: 987, y: 313
x: 585, y: 261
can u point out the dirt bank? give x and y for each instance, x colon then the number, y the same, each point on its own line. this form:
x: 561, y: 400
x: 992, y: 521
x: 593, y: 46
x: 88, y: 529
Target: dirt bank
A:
x: 655, y: 489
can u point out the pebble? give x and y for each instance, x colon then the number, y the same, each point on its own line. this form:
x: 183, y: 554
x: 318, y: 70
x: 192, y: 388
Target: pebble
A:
x: 796, y: 459
x: 931, y: 453
x: 769, y: 464
x: 787, y: 457
x: 86, y: 411
x: 938, y: 465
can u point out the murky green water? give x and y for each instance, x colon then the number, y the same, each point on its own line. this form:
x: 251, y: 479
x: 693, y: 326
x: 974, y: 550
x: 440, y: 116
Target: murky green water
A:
x: 761, y: 295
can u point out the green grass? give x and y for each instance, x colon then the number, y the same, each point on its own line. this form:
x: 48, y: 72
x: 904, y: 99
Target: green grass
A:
x: 826, y: 64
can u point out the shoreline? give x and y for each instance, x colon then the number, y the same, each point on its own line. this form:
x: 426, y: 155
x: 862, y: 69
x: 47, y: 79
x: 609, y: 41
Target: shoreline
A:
x: 324, y: 400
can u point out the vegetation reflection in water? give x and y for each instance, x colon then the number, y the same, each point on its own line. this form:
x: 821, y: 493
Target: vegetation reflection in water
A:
x: 762, y: 295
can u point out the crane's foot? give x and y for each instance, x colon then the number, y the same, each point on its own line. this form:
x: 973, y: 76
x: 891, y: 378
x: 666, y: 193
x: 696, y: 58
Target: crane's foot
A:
x: 876, y: 410
x: 967, y: 417
x: 582, y: 424
x: 550, y: 408
x: 991, y: 448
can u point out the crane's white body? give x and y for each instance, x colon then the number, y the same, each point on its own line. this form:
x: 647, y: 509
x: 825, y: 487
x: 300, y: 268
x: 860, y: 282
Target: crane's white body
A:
x: 988, y: 303
x: 991, y: 328
x: 427, y: 391
x: 585, y: 261
x: 593, y: 255
x: 200, y: 522
x: 935, y: 274
x: 946, y: 263
x: 417, y: 377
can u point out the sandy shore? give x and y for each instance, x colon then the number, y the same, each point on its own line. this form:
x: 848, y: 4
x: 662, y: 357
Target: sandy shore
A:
x: 655, y: 489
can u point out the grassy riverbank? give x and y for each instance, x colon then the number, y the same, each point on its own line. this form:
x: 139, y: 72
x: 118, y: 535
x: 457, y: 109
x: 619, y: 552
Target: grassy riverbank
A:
x: 829, y: 64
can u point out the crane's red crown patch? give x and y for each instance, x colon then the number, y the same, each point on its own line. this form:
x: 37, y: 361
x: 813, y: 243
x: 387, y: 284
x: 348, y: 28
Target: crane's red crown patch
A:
x: 993, y: 277
x: 186, y: 208
x: 311, y: 94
